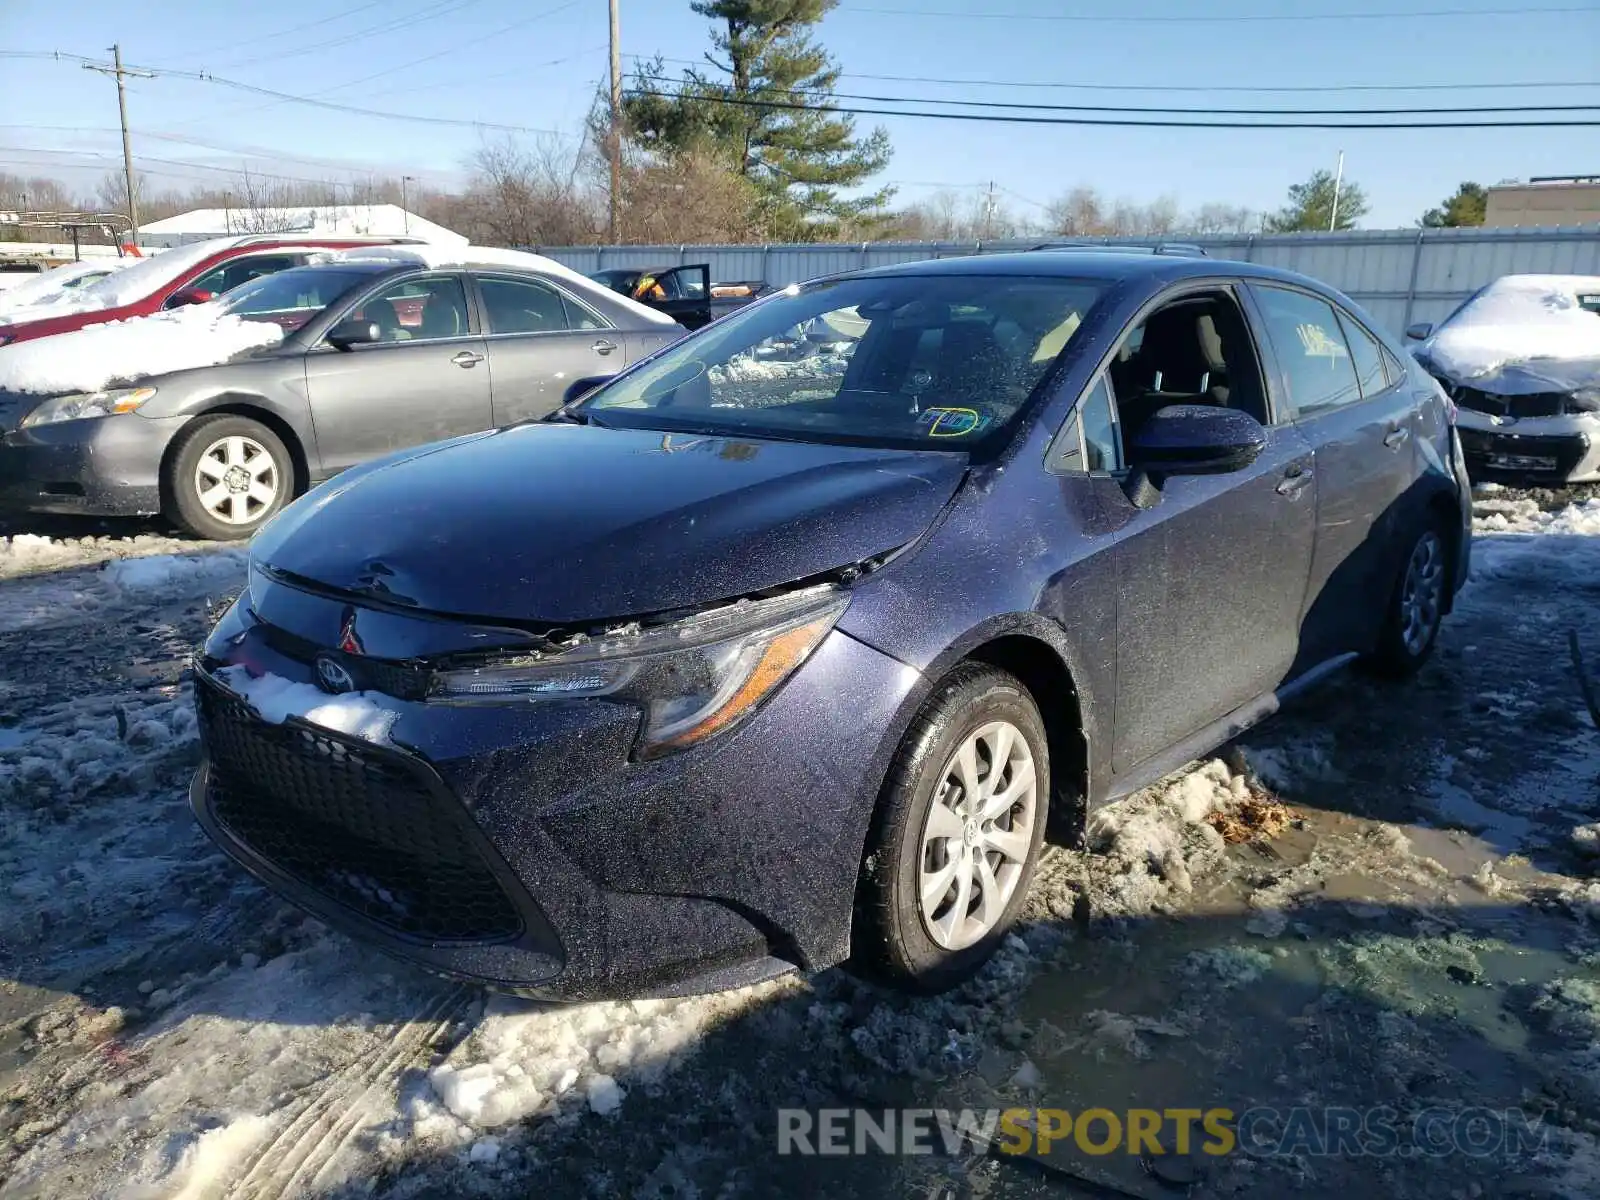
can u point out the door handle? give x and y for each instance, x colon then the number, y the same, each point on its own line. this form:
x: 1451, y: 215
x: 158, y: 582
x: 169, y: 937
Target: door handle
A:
x: 467, y: 359
x: 1396, y: 437
x: 603, y: 346
x: 1295, y: 481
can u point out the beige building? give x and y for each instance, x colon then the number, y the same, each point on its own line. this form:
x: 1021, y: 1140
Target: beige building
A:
x: 1553, y: 202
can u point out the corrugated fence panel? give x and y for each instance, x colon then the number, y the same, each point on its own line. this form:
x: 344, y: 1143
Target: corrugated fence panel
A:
x: 1398, y: 275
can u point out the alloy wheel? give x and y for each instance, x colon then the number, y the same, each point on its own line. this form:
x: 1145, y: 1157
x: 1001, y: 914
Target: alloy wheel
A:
x: 977, y: 836
x: 1422, y: 594
x: 237, y: 480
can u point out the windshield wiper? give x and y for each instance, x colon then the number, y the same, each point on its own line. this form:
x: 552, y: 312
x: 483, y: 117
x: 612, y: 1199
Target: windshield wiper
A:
x: 571, y: 415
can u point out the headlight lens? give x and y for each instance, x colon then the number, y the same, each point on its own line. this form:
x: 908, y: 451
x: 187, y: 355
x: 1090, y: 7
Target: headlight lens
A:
x: 1584, y: 400
x: 80, y: 405
x: 692, y: 678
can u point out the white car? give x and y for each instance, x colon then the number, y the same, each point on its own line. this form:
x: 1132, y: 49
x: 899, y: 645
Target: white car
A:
x: 24, y: 289
x: 1521, y: 360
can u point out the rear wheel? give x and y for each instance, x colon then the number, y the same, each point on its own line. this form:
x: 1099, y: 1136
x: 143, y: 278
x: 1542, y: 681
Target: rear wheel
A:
x: 225, y: 476
x: 956, y: 836
x: 1416, y: 609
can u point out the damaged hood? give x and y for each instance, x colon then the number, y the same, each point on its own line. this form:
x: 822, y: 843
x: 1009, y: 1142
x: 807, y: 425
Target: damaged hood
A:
x: 568, y: 524
x: 1522, y: 335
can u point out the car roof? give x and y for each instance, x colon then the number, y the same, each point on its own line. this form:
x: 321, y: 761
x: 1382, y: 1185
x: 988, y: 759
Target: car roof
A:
x: 1108, y: 265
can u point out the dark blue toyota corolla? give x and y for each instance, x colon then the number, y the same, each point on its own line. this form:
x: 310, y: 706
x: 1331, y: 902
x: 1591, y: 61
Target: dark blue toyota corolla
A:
x: 790, y: 644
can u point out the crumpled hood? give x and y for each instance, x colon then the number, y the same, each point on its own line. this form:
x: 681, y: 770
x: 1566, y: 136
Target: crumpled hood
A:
x: 568, y: 524
x: 1522, y: 335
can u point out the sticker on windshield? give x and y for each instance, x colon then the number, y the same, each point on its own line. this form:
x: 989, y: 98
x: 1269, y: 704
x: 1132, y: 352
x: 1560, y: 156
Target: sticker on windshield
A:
x: 952, y: 422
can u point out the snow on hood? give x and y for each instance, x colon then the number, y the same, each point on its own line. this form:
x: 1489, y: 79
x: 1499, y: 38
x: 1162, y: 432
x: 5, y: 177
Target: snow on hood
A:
x: 86, y: 360
x: 439, y: 257
x: 133, y: 282
x: 1523, y: 334
x: 55, y: 285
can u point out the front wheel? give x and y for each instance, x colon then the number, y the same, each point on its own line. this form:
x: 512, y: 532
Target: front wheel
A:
x: 225, y: 476
x: 1411, y: 626
x: 956, y: 836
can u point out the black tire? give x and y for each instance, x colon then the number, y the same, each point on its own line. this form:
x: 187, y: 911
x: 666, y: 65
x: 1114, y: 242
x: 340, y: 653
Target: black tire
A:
x: 181, y: 501
x: 891, y: 942
x: 1403, y: 647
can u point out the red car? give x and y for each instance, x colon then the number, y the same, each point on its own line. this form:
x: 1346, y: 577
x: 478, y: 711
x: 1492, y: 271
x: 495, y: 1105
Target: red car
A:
x: 189, y: 274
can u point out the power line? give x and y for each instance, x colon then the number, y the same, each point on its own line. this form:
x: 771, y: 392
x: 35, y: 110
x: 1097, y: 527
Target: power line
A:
x: 1213, y: 18
x: 207, y: 77
x: 43, y: 159
x: 1137, y: 122
x: 302, y: 27
x: 455, y: 47
x: 443, y: 8
x: 1210, y: 110
x: 1197, y: 87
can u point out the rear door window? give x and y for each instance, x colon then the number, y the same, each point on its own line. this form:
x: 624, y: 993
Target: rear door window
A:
x: 1311, y: 350
x: 522, y: 306
x: 1365, y: 355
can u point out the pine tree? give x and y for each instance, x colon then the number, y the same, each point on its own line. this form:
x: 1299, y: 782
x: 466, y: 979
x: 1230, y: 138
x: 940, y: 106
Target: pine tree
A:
x: 1310, y: 205
x: 766, y: 110
x: 1468, y: 206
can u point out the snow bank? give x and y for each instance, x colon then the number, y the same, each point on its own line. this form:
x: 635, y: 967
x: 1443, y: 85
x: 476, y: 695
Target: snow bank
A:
x: 524, y: 1061
x: 86, y: 360
x: 55, y: 285
x: 1531, y: 321
x: 439, y: 257
x: 275, y: 699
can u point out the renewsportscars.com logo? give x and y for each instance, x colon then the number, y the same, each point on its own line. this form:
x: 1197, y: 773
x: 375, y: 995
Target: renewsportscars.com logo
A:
x: 1379, y: 1131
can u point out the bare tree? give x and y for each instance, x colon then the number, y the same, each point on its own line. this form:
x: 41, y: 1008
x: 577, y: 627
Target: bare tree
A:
x: 522, y: 195
x: 1080, y: 213
x: 690, y: 197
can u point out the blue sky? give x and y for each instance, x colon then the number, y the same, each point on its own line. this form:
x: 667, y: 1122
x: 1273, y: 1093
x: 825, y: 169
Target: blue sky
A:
x: 518, y: 62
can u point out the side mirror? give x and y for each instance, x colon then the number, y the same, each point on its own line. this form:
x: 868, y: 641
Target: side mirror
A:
x: 579, y: 388
x: 353, y: 333
x: 1197, y: 439
x: 184, y: 297
x: 1420, y: 331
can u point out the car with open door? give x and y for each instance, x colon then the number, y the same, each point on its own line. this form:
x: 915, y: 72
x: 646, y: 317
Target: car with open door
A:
x: 684, y: 293
x: 744, y: 664
x: 218, y: 415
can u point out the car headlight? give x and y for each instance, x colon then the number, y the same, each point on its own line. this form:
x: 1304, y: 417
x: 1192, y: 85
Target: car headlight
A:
x: 1584, y: 400
x: 80, y: 405
x: 691, y: 678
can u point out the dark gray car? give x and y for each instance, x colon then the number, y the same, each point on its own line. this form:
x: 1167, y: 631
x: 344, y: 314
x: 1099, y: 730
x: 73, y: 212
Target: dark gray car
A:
x: 377, y: 357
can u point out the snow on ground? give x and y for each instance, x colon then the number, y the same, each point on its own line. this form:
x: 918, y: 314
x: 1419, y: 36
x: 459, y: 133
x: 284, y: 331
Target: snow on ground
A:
x: 168, y: 1028
x: 88, y: 359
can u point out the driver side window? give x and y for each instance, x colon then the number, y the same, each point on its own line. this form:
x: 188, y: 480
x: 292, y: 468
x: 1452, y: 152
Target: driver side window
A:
x: 1195, y: 349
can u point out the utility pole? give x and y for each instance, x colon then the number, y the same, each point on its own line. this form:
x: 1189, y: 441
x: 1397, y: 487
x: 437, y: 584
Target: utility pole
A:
x: 403, y: 208
x: 988, y: 213
x: 615, y: 148
x: 1338, y: 178
x: 121, y: 74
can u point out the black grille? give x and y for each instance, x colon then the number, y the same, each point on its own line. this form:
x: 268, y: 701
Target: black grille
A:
x: 357, y: 824
x: 1478, y: 444
x: 405, y: 681
x: 1535, y: 404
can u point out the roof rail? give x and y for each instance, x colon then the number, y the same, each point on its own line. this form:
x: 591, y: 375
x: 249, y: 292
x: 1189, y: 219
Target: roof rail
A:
x: 1183, y: 249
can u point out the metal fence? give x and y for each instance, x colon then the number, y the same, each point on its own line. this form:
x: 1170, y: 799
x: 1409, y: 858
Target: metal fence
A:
x: 1398, y: 275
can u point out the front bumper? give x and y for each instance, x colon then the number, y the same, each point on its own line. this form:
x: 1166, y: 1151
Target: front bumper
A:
x: 521, y: 847
x: 104, y: 466
x: 1550, y: 450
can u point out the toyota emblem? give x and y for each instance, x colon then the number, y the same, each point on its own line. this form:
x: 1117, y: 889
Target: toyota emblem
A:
x: 333, y: 676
